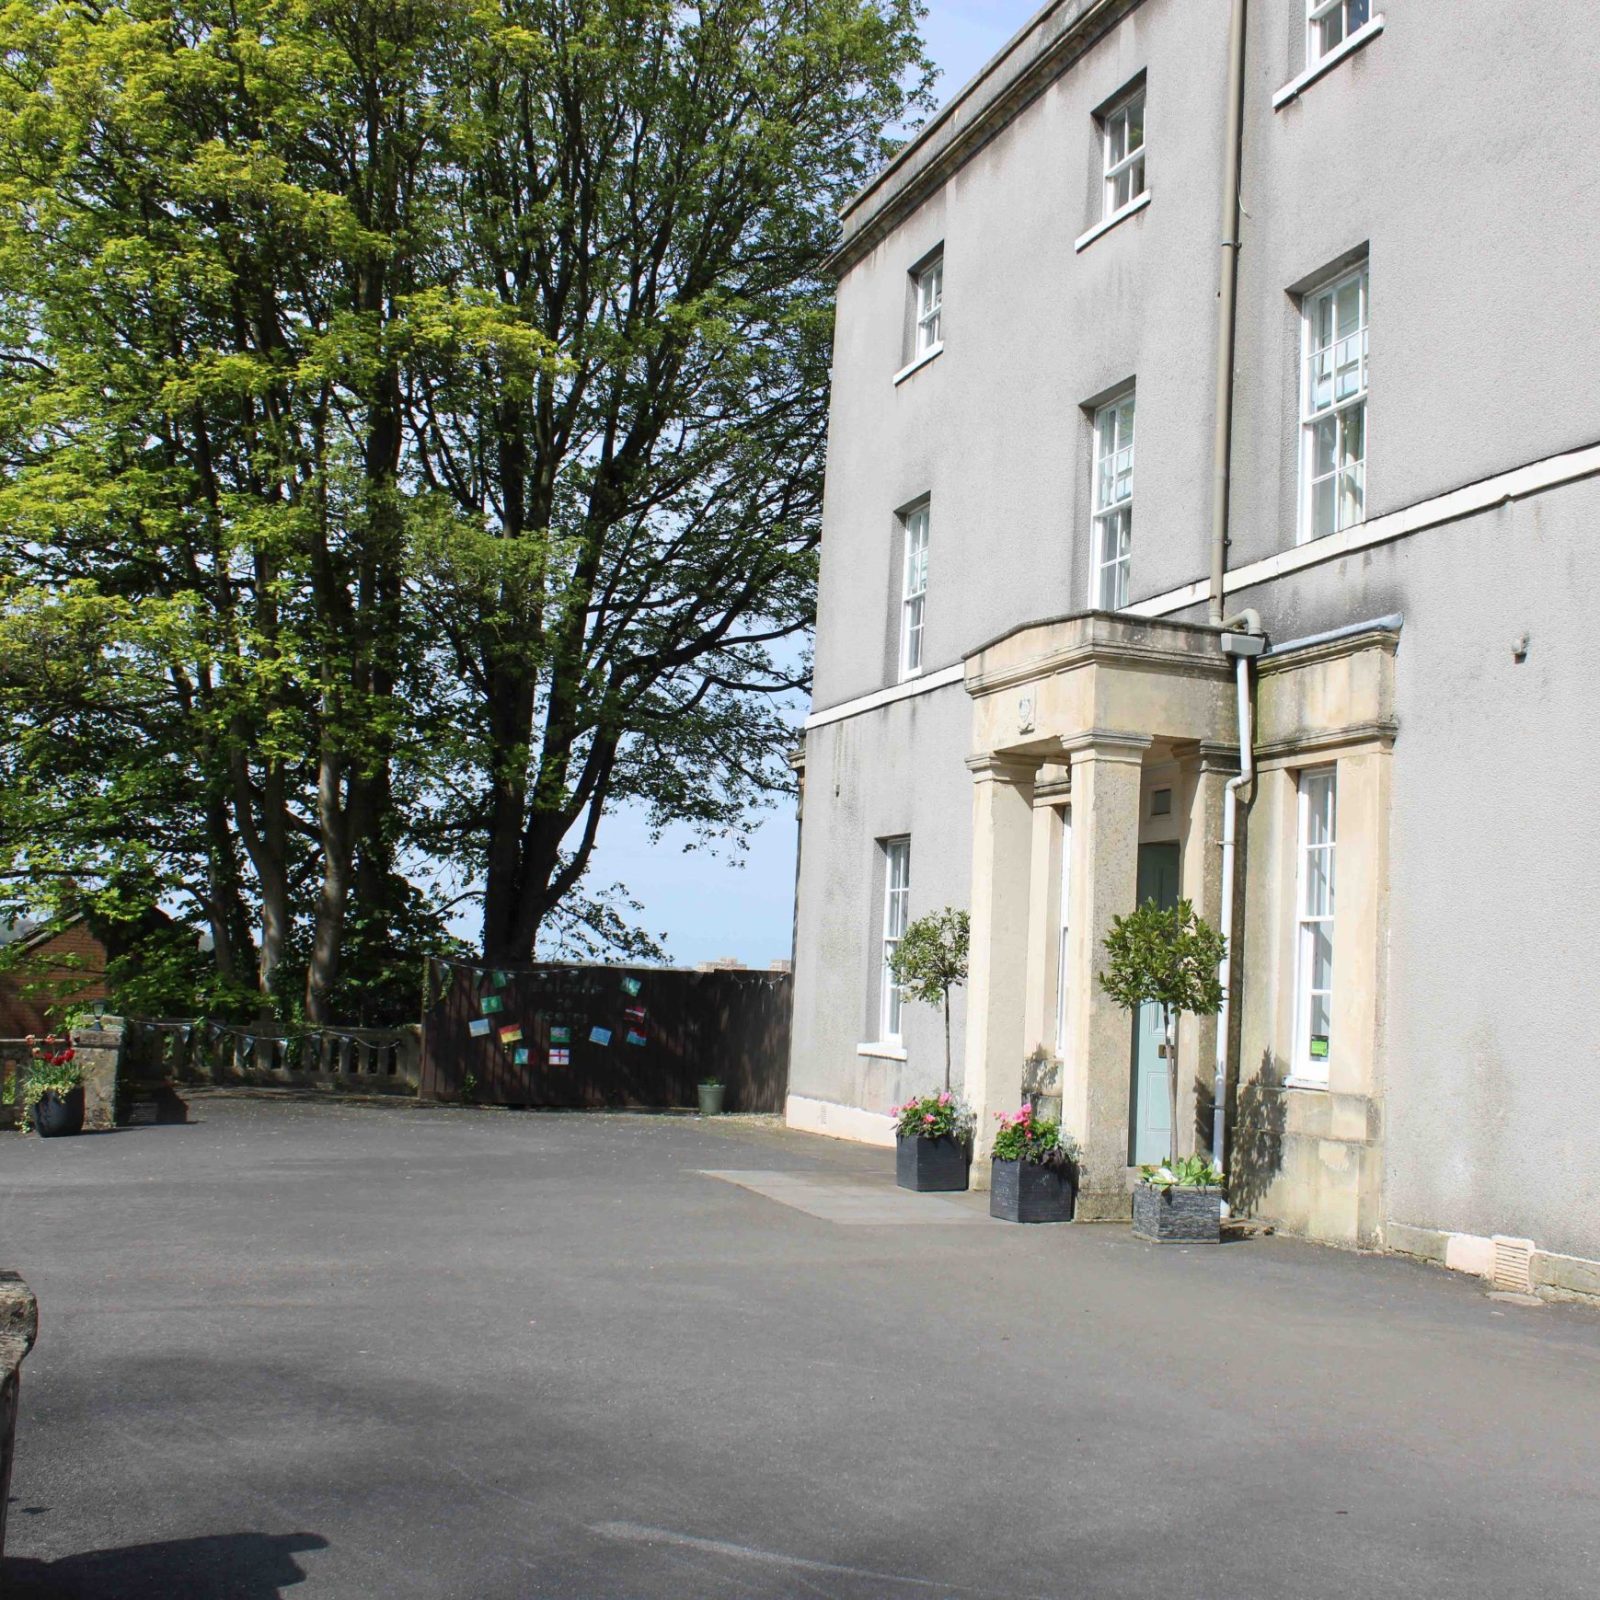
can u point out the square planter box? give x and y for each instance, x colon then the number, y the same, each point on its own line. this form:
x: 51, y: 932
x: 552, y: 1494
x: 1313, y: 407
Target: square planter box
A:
x: 931, y: 1166
x: 1023, y: 1191
x: 1177, y: 1216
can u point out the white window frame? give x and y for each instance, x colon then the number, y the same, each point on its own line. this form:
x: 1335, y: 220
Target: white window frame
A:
x: 929, y: 308
x: 915, y: 528
x: 1343, y: 411
x: 896, y: 916
x: 1131, y: 161
x: 1320, y: 14
x: 1063, y: 923
x: 1317, y: 786
x: 1110, y: 566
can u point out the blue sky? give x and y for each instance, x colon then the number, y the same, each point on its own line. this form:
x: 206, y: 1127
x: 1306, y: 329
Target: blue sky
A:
x: 702, y: 905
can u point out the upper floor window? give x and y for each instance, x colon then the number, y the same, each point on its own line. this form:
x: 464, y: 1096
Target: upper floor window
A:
x: 1333, y: 407
x: 1124, y: 152
x: 1314, y: 926
x: 896, y: 913
x: 1113, y: 504
x: 929, y: 305
x: 914, y: 589
x: 1330, y: 22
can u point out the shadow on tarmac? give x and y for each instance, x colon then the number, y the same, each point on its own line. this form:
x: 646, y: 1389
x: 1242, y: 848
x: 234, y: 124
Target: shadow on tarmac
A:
x: 222, y: 1566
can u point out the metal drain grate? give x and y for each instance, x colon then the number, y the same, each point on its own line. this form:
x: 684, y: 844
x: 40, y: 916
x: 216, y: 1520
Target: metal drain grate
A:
x: 1513, y: 1262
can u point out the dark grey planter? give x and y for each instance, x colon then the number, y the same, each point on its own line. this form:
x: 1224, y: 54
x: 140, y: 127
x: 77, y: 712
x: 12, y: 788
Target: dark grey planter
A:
x: 1024, y: 1191
x: 932, y: 1166
x: 710, y: 1098
x: 1177, y: 1216
x: 56, y: 1115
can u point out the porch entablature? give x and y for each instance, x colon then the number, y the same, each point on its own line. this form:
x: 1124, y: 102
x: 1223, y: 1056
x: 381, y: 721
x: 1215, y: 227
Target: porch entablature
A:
x: 1043, y: 687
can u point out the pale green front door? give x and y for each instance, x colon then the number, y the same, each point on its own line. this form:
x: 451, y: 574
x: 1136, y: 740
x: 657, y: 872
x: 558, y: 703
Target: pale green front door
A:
x: 1149, y: 1111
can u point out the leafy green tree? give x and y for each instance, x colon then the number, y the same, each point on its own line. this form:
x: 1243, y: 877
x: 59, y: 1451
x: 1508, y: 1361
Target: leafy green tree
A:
x: 410, y: 448
x: 622, y: 395
x: 931, y: 960
x: 1168, y: 958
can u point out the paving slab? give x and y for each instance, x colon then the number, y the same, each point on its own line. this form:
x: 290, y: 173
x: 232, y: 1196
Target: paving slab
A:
x: 308, y: 1349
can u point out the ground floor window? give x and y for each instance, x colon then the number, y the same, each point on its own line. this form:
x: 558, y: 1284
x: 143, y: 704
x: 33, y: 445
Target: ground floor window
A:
x: 1314, y: 924
x: 896, y: 907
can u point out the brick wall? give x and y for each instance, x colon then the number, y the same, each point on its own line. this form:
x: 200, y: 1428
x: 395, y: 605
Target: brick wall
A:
x: 65, y: 969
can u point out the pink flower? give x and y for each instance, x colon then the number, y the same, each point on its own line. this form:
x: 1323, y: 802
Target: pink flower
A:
x: 944, y: 1099
x: 928, y: 1117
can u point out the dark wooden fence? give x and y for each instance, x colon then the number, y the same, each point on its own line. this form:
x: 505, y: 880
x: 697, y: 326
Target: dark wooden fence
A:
x: 586, y: 1036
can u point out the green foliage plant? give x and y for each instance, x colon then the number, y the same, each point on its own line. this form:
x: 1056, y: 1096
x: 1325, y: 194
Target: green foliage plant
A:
x: 934, y: 1116
x: 1191, y: 1172
x: 1168, y: 958
x: 931, y: 960
x: 1036, y: 1140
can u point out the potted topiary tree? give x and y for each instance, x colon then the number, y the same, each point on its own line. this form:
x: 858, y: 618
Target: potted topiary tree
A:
x: 931, y: 960
x: 933, y: 1133
x: 1034, y: 1175
x: 1170, y: 957
x: 53, y: 1094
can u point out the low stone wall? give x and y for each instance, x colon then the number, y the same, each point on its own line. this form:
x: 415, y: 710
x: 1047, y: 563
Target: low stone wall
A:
x: 19, y: 1327
x: 352, y: 1060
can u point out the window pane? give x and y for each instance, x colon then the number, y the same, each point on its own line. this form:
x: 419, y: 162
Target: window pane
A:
x: 1319, y: 808
x: 1136, y: 122
x: 1322, y: 508
x: 1324, y: 438
x: 1319, y: 1023
x: 1321, y: 396
x: 1122, y: 188
x: 1116, y: 138
x: 1356, y: 14
x: 1136, y: 178
x: 1352, y: 435
x: 1347, y: 308
x: 1352, y: 498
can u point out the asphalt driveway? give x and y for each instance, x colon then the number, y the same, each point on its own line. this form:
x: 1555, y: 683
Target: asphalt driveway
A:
x: 335, y: 1351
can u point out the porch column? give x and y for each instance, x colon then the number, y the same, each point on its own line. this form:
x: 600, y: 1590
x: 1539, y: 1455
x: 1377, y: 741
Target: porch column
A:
x: 1105, y: 876
x: 1205, y: 778
x: 1002, y: 840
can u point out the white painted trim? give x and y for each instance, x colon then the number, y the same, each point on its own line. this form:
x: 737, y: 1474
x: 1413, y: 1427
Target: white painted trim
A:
x: 881, y: 1052
x: 940, y: 678
x: 920, y: 361
x: 839, y: 1122
x: 1457, y: 504
x: 1316, y: 1084
x: 1347, y: 46
x: 1138, y: 203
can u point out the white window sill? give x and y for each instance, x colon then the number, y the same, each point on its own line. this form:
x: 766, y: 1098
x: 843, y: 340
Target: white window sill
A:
x: 1320, y: 1084
x: 1346, y: 47
x: 1135, y: 205
x: 883, y: 1052
x: 921, y: 361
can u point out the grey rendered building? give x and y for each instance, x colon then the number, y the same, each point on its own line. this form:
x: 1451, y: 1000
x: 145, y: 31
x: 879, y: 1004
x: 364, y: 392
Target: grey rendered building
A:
x: 1022, y: 702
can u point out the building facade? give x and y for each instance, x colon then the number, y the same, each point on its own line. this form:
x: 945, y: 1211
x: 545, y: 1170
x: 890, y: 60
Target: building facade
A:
x: 1021, y: 707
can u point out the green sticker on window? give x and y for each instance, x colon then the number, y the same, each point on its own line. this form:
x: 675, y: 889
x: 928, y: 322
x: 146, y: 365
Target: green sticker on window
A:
x: 1319, y: 1047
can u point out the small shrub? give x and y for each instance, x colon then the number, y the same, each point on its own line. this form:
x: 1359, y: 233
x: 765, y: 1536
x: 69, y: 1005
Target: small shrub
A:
x: 1036, y: 1140
x: 1192, y: 1172
x: 934, y: 1116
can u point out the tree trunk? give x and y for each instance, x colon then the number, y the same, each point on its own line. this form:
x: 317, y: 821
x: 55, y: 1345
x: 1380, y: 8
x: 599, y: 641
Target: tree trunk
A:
x: 1171, y: 1034
x: 947, y: 1041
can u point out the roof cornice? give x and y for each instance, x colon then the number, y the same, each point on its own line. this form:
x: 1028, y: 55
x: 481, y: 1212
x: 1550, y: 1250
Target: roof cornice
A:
x: 1047, y: 45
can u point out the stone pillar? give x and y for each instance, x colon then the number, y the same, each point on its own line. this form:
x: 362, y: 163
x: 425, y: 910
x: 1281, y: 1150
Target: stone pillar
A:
x: 98, y: 1050
x: 1205, y: 778
x: 1105, y: 875
x: 1002, y: 841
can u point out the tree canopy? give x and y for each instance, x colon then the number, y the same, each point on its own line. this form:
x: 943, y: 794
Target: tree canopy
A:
x: 411, y: 422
